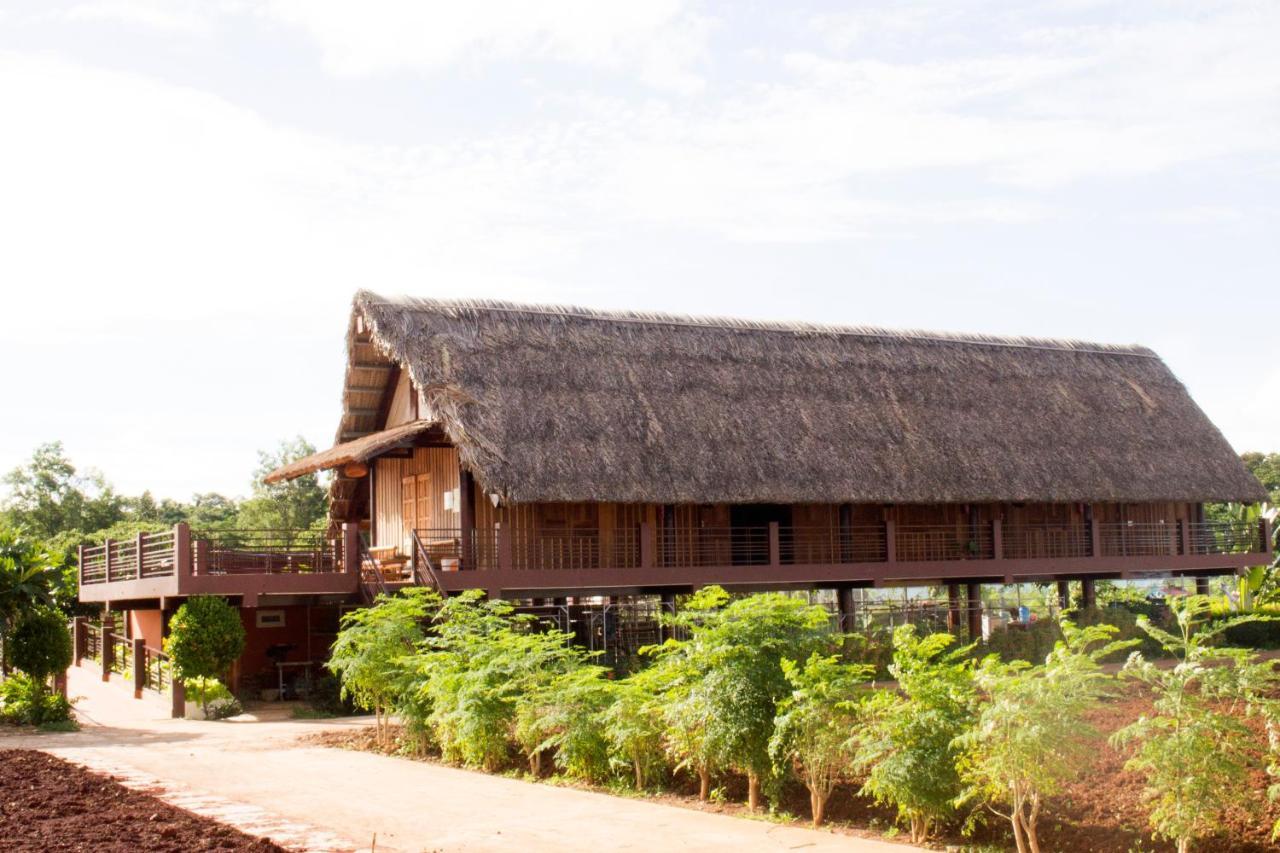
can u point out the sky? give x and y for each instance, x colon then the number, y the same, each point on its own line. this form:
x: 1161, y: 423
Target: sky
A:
x: 191, y: 192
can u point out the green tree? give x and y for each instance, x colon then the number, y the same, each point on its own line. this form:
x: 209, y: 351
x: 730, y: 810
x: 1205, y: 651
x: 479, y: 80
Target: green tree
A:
x: 1031, y: 736
x: 205, y: 638
x: 28, y: 574
x: 906, y: 746
x: 563, y: 715
x: 731, y: 679
x: 634, y: 724
x: 41, y: 643
x: 811, y: 732
x: 300, y: 504
x: 1194, y: 750
x: 478, y: 662
x: 371, y: 647
x: 1266, y: 467
x: 48, y: 496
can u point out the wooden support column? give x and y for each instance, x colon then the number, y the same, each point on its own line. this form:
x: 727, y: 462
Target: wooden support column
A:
x: 1095, y: 538
x: 890, y: 542
x: 1267, y: 541
x: 997, y: 540
x: 847, y: 607
x: 79, y: 639
x: 466, y: 518
x: 647, y: 544
x: 973, y: 601
x: 182, y: 553
x: 106, y: 561
x: 108, y: 648
x: 505, y: 552
x: 775, y: 546
x: 80, y: 567
x: 1088, y: 594
x: 606, y: 522
x: 139, y: 545
x: 177, y: 699
x: 1064, y: 594
x: 351, y: 547
x: 1184, y: 537
x: 139, y: 649
x: 954, y: 618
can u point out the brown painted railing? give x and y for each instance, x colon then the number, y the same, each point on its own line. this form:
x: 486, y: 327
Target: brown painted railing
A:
x: 1224, y: 537
x: 239, y: 552
x: 687, y: 547
x: 93, y: 642
x: 157, y: 670
x: 1046, y: 541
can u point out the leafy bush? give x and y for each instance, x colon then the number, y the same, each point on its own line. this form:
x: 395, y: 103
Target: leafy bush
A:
x: 215, y: 699
x: 1030, y: 735
x: 326, y: 698
x: 1030, y: 642
x: 731, y: 678
x: 812, y: 728
x: 25, y: 700
x: 564, y: 716
x: 634, y: 725
x: 40, y: 644
x: 1194, y: 753
x: 907, y: 747
x: 369, y: 653
x: 205, y: 638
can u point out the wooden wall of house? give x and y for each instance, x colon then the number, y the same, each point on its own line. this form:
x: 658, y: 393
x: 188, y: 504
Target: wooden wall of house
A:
x: 434, y: 471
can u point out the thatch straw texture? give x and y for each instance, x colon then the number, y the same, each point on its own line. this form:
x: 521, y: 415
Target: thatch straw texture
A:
x: 566, y: 404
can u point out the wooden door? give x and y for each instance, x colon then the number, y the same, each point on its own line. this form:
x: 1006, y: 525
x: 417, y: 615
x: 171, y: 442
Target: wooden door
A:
x: 408, y: 505
x: 424, y: 519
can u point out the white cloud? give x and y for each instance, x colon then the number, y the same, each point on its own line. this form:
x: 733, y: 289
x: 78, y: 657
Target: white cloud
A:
x: 658, y: 39
x: 184, y: 17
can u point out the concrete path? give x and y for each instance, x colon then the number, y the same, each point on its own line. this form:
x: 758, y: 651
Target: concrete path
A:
x: 408, y: 805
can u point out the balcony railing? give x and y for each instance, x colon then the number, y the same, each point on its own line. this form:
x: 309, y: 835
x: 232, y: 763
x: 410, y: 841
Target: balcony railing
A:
x: 525, y: 549
x: 210, y: 553
x: 259, y: 552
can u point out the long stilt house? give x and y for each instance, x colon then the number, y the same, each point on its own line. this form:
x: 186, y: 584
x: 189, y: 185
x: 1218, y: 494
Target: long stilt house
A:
x: 547, y: 454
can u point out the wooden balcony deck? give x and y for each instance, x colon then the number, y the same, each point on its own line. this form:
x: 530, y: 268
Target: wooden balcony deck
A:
x: 542, y: 562
x: 245, y: 563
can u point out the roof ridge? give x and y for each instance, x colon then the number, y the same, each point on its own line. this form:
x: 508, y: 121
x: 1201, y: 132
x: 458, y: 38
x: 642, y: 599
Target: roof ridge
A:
x: 743, y: 324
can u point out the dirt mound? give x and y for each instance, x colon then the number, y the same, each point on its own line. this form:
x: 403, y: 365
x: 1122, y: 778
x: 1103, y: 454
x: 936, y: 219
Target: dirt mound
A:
x: 49, y: 804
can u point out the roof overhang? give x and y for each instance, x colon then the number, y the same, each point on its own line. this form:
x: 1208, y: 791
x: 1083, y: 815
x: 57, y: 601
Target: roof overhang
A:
x: 360, y: 450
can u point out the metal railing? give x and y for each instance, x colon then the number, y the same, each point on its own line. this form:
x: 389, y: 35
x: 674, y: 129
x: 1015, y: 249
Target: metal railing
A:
x: 1040, y: 541
x: 930, y: 542
x: 1138, y: 539
x: 1224, y: 537
x: 424, y: 570
x: 681, y: 547
x: 240, y: 551
x: 863, y: 543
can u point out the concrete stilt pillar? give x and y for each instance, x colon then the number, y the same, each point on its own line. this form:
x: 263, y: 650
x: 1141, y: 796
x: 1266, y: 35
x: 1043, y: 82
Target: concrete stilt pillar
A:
x: 1088, y: 594
x: 1064, y: 594
x: 973, y: 595
x: 666, y: 609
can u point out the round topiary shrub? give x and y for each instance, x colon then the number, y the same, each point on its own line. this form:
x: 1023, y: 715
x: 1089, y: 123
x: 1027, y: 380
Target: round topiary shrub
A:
x: 41, y: 644
x: 205, y: 638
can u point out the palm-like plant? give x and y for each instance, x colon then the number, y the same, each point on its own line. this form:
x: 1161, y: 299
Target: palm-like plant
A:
x: 26, y: 576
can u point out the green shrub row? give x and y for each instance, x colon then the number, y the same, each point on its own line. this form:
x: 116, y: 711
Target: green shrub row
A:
x: 761, y: 687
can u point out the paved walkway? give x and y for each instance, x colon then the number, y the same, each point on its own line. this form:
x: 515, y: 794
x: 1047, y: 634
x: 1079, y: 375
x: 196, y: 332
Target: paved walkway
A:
x: 349, y: 797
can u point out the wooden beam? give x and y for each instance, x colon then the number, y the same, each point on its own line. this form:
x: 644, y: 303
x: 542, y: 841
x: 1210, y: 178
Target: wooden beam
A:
x: 366, y: 365
x: 388, y: 394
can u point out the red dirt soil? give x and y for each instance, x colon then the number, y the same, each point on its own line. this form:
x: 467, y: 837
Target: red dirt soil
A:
x: 50, y: 804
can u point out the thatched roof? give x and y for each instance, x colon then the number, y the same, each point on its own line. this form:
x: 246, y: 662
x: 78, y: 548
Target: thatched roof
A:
x: 551, y: 404
x: 360, y: 450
